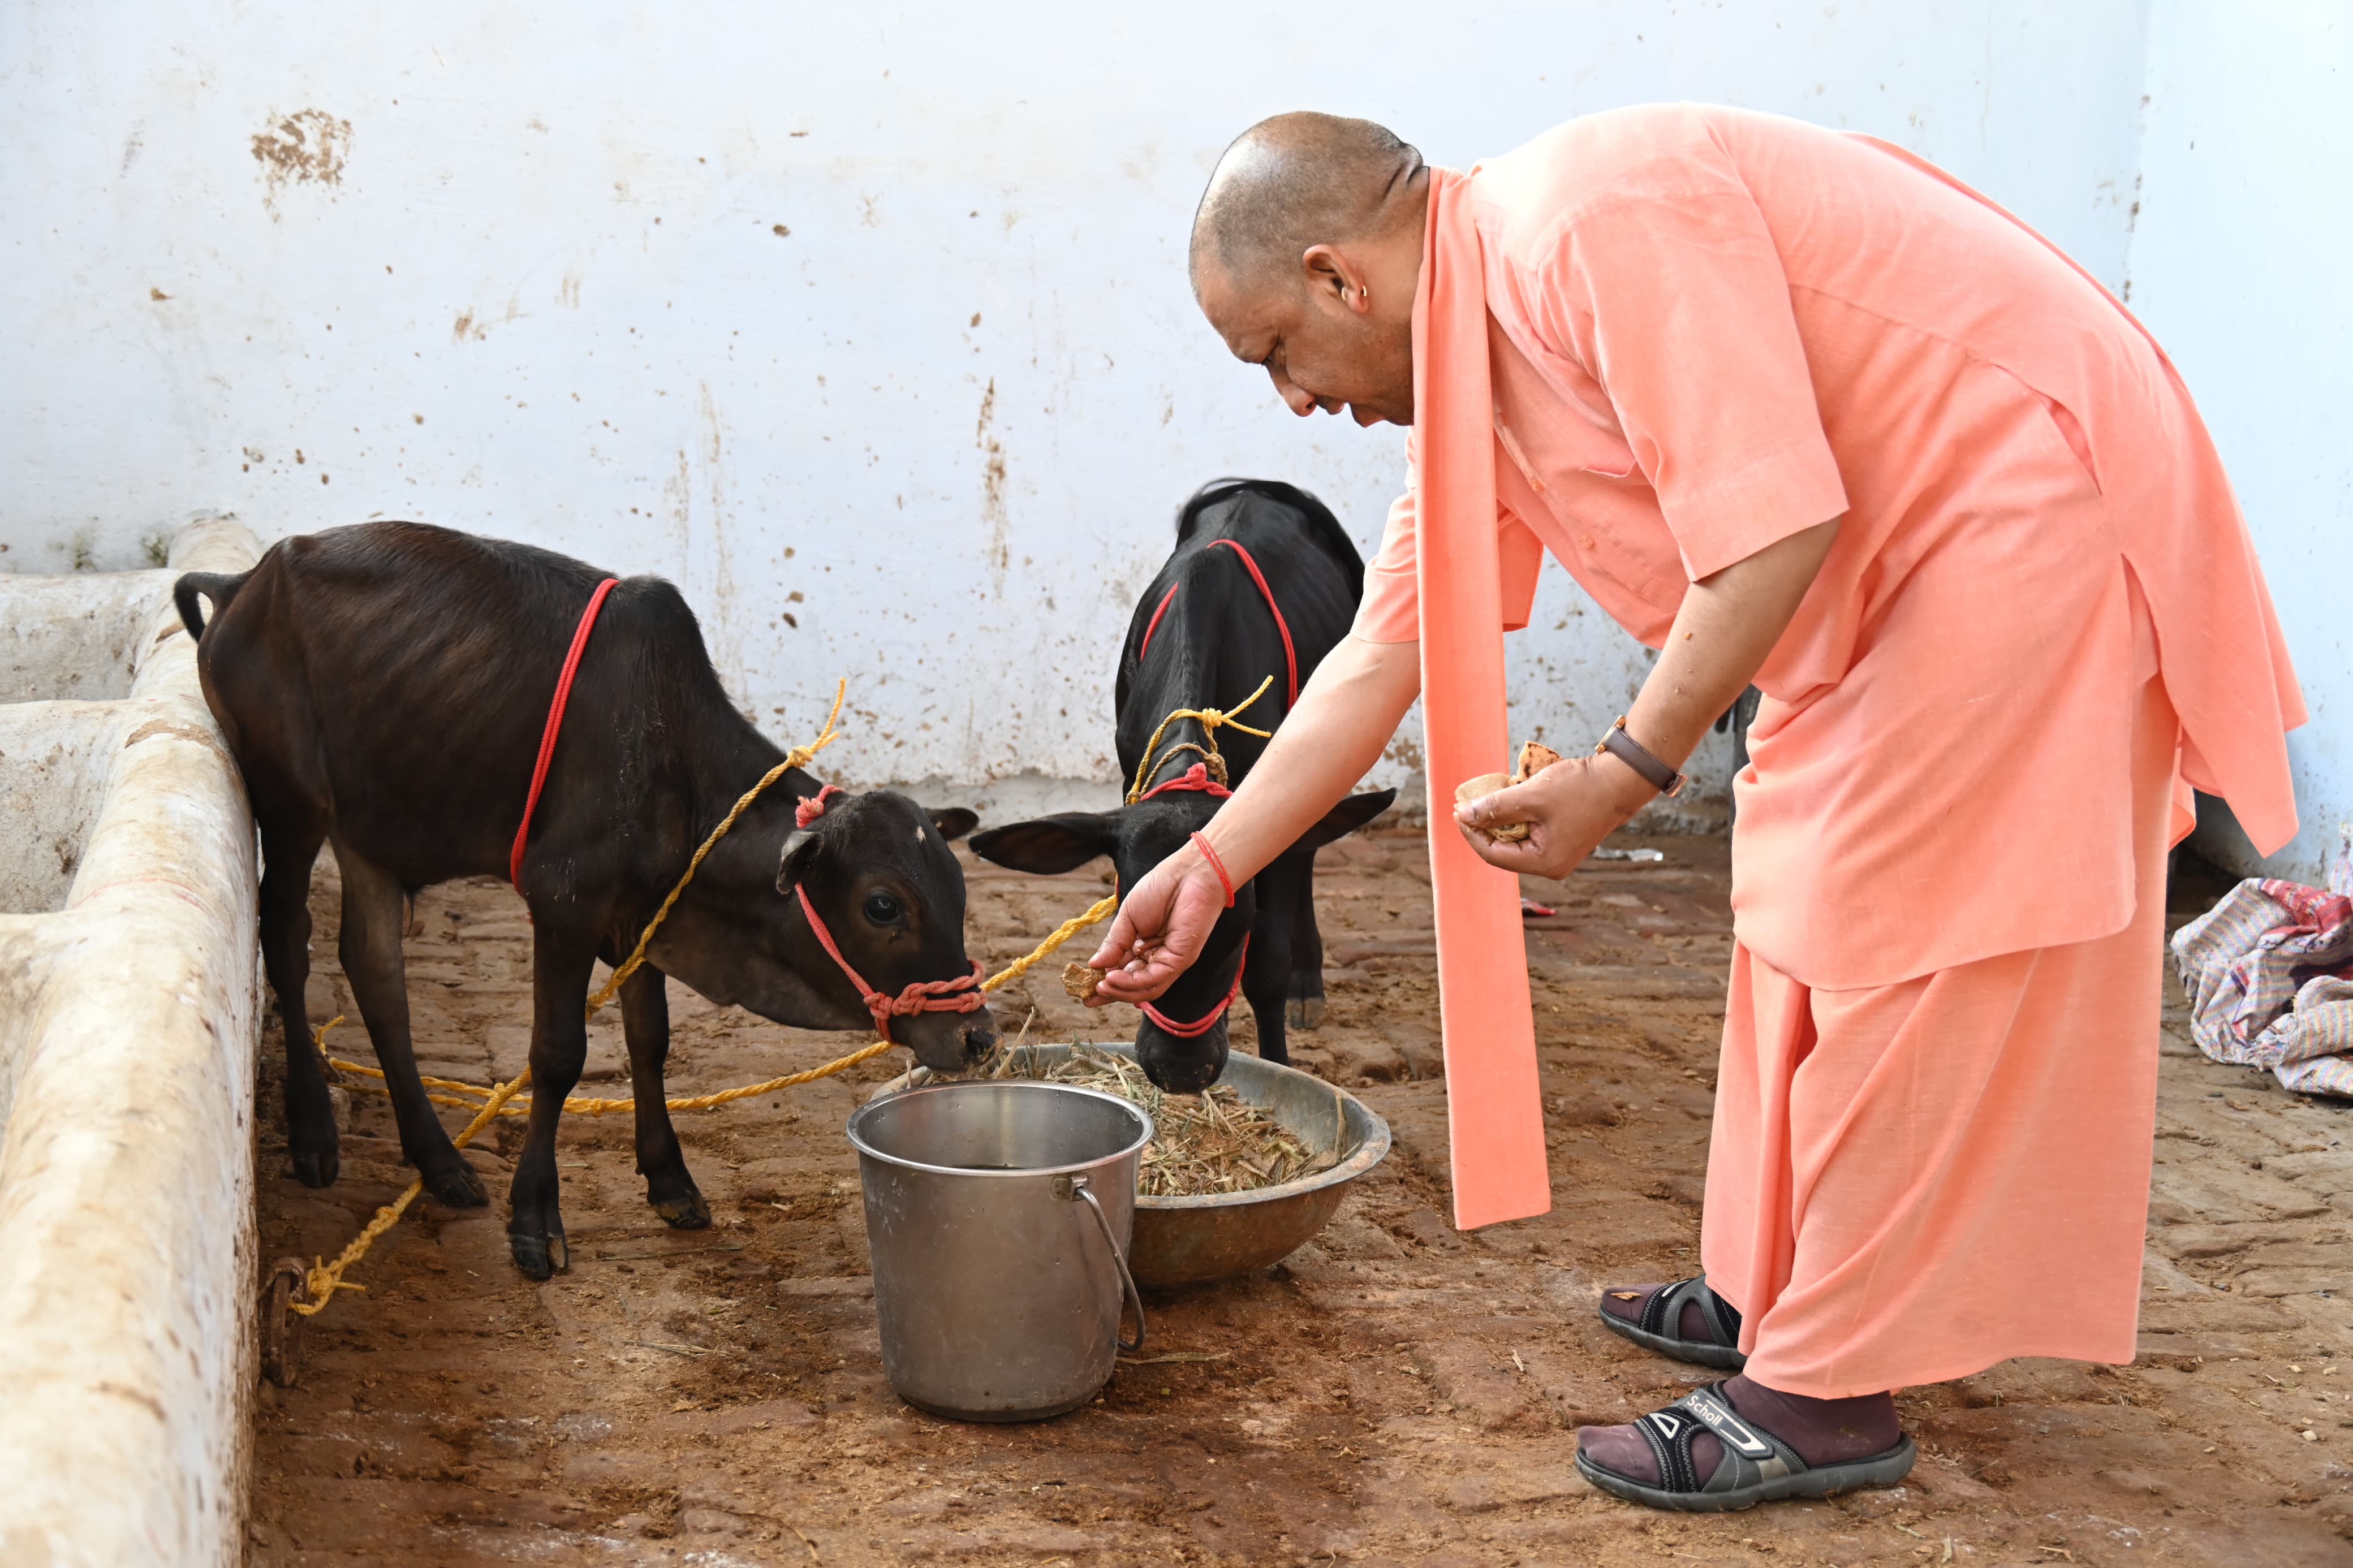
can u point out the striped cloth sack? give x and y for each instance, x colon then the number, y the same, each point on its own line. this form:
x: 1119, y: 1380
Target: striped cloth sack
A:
x: 2270, y: 976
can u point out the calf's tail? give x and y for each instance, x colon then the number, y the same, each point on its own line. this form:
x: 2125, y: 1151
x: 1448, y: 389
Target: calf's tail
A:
x: 220, y: 587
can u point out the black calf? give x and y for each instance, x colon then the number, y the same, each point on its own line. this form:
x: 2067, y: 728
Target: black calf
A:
x: 384, y: 687
x: 1205, y: 636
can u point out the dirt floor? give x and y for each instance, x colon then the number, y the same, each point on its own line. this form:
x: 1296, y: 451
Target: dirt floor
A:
x: 1395, y: 1393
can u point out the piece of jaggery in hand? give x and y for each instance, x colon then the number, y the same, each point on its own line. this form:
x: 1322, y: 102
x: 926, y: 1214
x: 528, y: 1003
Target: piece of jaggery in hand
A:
x: 1080, y: 981
x: 1534, y: 757
x: 1488, y: 783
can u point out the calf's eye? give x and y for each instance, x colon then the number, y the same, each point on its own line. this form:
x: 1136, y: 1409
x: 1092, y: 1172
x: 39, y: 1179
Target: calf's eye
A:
x: 881, y: 909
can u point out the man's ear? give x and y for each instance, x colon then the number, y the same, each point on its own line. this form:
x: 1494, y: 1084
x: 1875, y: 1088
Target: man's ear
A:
x: 800, y: 859
x: 953, y: 821
x: 1051, y: 845
x: 1335, y: 278
x: 1346, y: 819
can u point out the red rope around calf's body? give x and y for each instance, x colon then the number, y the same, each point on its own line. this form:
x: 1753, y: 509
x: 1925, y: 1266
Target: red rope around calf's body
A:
x: 554, y: 726
x: 1153, y: 625
x: 1290, y: 654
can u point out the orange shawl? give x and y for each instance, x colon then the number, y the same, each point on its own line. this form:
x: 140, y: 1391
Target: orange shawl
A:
x: 1494, y: 1105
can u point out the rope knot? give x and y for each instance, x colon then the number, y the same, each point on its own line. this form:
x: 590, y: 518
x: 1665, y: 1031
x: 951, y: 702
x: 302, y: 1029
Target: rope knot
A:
x: 960, y: 993
x: 1205, y: 779
x: 810, y: 808
x: 1211, y: 720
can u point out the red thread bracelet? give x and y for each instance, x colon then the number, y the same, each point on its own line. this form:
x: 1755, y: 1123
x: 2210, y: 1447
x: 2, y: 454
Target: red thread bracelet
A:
x: 1214, y: 865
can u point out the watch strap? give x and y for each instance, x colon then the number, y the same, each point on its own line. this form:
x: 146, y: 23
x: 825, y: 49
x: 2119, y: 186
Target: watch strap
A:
x: 1635, y: 755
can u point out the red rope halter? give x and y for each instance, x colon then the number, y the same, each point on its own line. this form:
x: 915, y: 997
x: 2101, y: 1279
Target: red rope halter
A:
x: 960, y: 994
x: 1203, y: 1026
x: 810, y: 808
x: 554, y: 726
x: 1195, y: 777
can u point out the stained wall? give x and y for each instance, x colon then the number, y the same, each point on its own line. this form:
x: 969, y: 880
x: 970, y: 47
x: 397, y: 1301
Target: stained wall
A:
x: 869, y: 325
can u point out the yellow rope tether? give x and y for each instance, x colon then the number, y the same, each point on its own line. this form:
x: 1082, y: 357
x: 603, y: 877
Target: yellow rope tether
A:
x: 326, y: 1278
x: 1211, y: 719
x: 799, y: 757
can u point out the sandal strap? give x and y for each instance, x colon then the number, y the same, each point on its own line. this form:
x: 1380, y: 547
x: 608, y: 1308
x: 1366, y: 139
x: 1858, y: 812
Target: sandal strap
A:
x: 1662, y: 1314
x: 1670, y: 1433
x: 1725, y: 1321
x: 1751, y: 1454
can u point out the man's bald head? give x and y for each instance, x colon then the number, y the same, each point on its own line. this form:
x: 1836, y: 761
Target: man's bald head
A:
x: 1297, y: 181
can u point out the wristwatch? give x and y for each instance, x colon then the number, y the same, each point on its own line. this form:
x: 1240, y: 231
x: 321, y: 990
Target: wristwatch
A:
x: 1631, y: 753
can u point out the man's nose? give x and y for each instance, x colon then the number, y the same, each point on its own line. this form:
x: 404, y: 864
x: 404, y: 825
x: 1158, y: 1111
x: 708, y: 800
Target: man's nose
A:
x: 1294, y: 398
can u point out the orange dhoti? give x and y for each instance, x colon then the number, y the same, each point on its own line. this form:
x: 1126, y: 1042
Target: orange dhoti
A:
x: 1909, y: 1182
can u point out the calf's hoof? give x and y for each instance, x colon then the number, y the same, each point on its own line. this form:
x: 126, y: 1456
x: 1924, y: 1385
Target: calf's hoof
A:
x: 539, y: 1257
x: 318, y: 1166
x: 1304, y: 1012
x: 686, y: 1212
x: 451, y: 1181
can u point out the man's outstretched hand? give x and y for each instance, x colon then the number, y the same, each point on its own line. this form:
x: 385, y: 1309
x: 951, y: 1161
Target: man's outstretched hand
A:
x: 1161, y: 928
x: 1569, y: 807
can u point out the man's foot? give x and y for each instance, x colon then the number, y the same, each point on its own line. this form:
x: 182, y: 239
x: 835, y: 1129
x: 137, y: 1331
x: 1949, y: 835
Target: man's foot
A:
x: 1684, y: 1320
x: 1738, y: 1443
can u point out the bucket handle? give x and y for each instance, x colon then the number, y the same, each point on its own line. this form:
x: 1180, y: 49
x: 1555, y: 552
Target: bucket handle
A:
x: 1075, y: 1187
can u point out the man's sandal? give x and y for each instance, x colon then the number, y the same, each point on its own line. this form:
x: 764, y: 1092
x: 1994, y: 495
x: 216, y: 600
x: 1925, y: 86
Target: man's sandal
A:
x: 1757, y: 1467
x: 1660, y: 1326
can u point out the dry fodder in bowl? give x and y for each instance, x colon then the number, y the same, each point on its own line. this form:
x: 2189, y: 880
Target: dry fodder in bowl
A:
x: 1202, y: 1144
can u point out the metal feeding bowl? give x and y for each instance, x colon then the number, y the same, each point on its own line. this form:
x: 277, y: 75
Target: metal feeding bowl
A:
x: 1189, y: 1241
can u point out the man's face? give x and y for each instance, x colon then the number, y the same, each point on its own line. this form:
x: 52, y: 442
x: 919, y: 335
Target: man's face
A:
x: 1319, y: 351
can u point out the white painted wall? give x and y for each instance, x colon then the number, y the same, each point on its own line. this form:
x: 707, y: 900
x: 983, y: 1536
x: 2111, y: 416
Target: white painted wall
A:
x: 933, y: 436
x: 2237, y: 263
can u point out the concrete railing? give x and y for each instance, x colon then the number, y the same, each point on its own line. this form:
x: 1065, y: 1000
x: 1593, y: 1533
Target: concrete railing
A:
x: 129, y: 1019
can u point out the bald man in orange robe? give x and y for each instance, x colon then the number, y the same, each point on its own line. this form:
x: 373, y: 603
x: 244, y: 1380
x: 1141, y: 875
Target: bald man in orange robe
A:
x: 1794, y: 408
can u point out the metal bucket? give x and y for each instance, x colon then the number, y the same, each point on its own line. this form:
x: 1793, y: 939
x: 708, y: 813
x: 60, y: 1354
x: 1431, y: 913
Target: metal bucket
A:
x: 997, y: 1215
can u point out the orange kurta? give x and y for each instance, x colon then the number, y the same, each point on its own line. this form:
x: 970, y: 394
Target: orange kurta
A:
x: 1708, y: 329
x: 1705, y: 330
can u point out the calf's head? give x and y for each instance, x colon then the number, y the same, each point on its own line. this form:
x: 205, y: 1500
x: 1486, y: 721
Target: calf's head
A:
x: 878, y: 871
x: 1138, y: 837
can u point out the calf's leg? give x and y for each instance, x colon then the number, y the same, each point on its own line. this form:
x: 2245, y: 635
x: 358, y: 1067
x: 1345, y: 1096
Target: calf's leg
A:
x: 1266, y: 970
x: 645, y: 1021
x: 375, y: 912
x: 1307, y: 1006
x: 288, y: 851
x: 562, y: 961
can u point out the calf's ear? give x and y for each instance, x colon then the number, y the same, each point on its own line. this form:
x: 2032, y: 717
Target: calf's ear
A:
x: 1346, y: 819
x: 1050, y: 846
x: 799, y: 857
x: 953, y: 821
